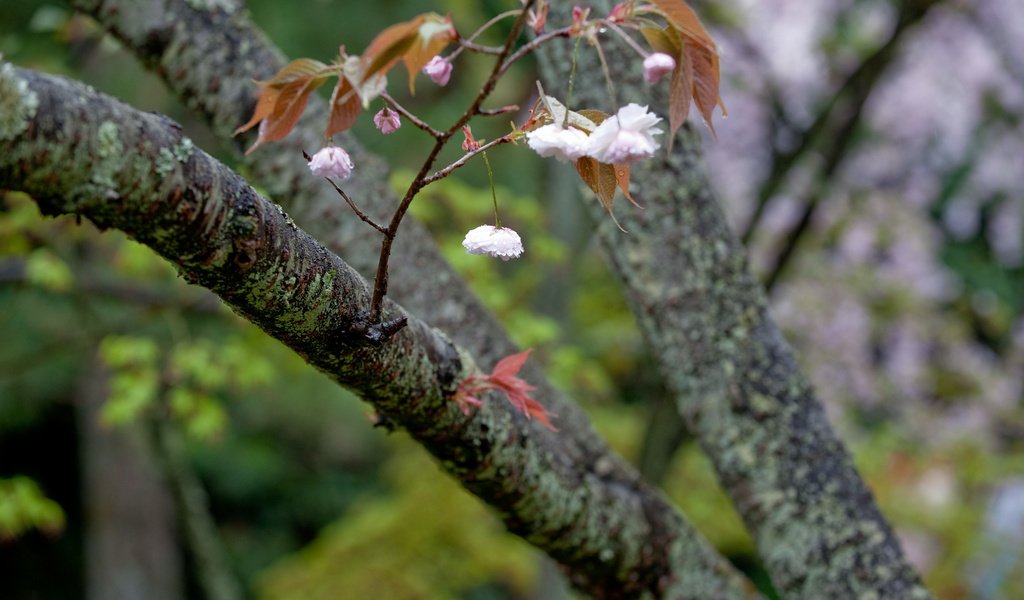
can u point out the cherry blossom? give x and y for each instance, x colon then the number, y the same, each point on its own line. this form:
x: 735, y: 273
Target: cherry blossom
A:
x: 565, y: 144
x: 387, y: 121
x: 331, y: 161
x: 439, y: 70
x: 499, y: 242
x: 626, y: 137
x: 658, y: 65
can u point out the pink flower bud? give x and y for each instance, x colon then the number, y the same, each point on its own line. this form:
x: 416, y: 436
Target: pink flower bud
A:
x: 657, y: 65
x: 331, y: 161
x: 439, y: 70
x: 387, y: 121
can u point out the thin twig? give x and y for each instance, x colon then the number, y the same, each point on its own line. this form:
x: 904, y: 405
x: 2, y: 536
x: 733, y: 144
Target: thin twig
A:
x: 365, y: 218
x: 380, y: 280
x: 416, y: 121
x: 478, y: 48
x: 468, y: 42
x: 464, y: 160
x: 533, y: 45
x: 493, y: 112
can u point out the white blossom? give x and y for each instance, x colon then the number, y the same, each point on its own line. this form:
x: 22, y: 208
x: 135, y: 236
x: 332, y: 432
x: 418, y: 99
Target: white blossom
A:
x: 331, y: 161
x: 658, y: 65
x: 499, y: 242
x: 439, y: 70
x: 626, y: 137
x: 565, y: 144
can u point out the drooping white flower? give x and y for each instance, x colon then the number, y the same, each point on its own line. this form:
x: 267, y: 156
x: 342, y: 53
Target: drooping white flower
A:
x: 387, y: 120
x: 439, y: 70
x: 499, y: 242
x: 331, y: 161
x: 564, y: 143
x: 658, y: 65
x: 627, y: 137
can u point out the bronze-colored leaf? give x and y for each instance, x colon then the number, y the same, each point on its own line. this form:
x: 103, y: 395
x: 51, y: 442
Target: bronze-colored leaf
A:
x: 683, y: 18
x: 264, y: 106
x: 680, y: 92
x: 297, y: 70
x: 388, y: 47
x: 622, y: 179
x: 345, y: 107
x: 705, y: 83
x: 661, y: 39
x: 300, y: 68
x: 594, y: 115
x: 288, y: 107
x: 432, y: 35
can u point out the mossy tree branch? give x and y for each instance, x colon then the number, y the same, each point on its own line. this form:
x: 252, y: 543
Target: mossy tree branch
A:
x: 78, y: 152
x: 736, y: 381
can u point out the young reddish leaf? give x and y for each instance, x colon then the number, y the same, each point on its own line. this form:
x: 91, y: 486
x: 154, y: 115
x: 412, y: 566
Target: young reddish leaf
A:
x: 588, y: 168
x: 622, y: 179
x: 504, y: 378
x: 510, y: 365
x: 288, y: 108
x: 680, y: 92
x: 683, y: 18
x: 433, y: 34
x: 389, y: 46
x: 264, y: 106
x: 345, y: 108
x: 661, y: 40
x: 283, y: 98
x: 705, y: 83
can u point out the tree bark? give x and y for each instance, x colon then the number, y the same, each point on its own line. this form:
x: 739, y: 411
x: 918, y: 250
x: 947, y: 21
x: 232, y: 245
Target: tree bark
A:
x: 736, y: 381
x: 79, y: 152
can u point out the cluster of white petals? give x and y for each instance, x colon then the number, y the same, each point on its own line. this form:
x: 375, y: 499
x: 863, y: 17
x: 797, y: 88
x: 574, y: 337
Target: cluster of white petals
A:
x: 499, y: 242
x: 438, y: 70
x: 331, y: 161
x: 658, y: 65
x: 564, y: 143
x: 626, y: 137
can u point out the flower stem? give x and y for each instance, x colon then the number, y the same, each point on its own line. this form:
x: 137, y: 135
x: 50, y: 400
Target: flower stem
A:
x: 607, y: 75
x: 572, y: 80
x: 494, y: 192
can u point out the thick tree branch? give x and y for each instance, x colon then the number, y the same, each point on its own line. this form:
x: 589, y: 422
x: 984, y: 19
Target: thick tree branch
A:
x: 736, y: 381
x: 78, y: 152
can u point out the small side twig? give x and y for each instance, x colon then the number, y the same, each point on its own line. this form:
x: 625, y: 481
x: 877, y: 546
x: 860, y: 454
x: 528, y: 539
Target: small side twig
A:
x: 416, y: 121
x: 501, y: 110
x: 365, y: 218
x: 465, y: 159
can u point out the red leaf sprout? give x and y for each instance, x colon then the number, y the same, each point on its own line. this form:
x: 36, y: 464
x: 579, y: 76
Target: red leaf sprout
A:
x: 505, y: 380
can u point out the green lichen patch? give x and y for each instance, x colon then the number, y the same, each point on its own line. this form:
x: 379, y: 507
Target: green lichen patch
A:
x: 18, y: 103
x: 170, y: 157
x: 109, y: 152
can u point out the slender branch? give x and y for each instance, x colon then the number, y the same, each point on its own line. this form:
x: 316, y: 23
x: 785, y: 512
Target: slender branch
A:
x: 501, y: 110
x: 468, y: 44
x: 478, y: 48
x: 380, y: 283
x: 532, y: 45
x: 363, y: 216
x: 465, y: 159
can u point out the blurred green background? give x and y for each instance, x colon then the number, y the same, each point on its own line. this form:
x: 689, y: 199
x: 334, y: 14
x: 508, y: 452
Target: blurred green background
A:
x: 148, y: 434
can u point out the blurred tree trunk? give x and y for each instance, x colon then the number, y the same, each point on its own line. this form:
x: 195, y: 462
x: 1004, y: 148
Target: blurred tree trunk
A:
x: 131, y: 546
